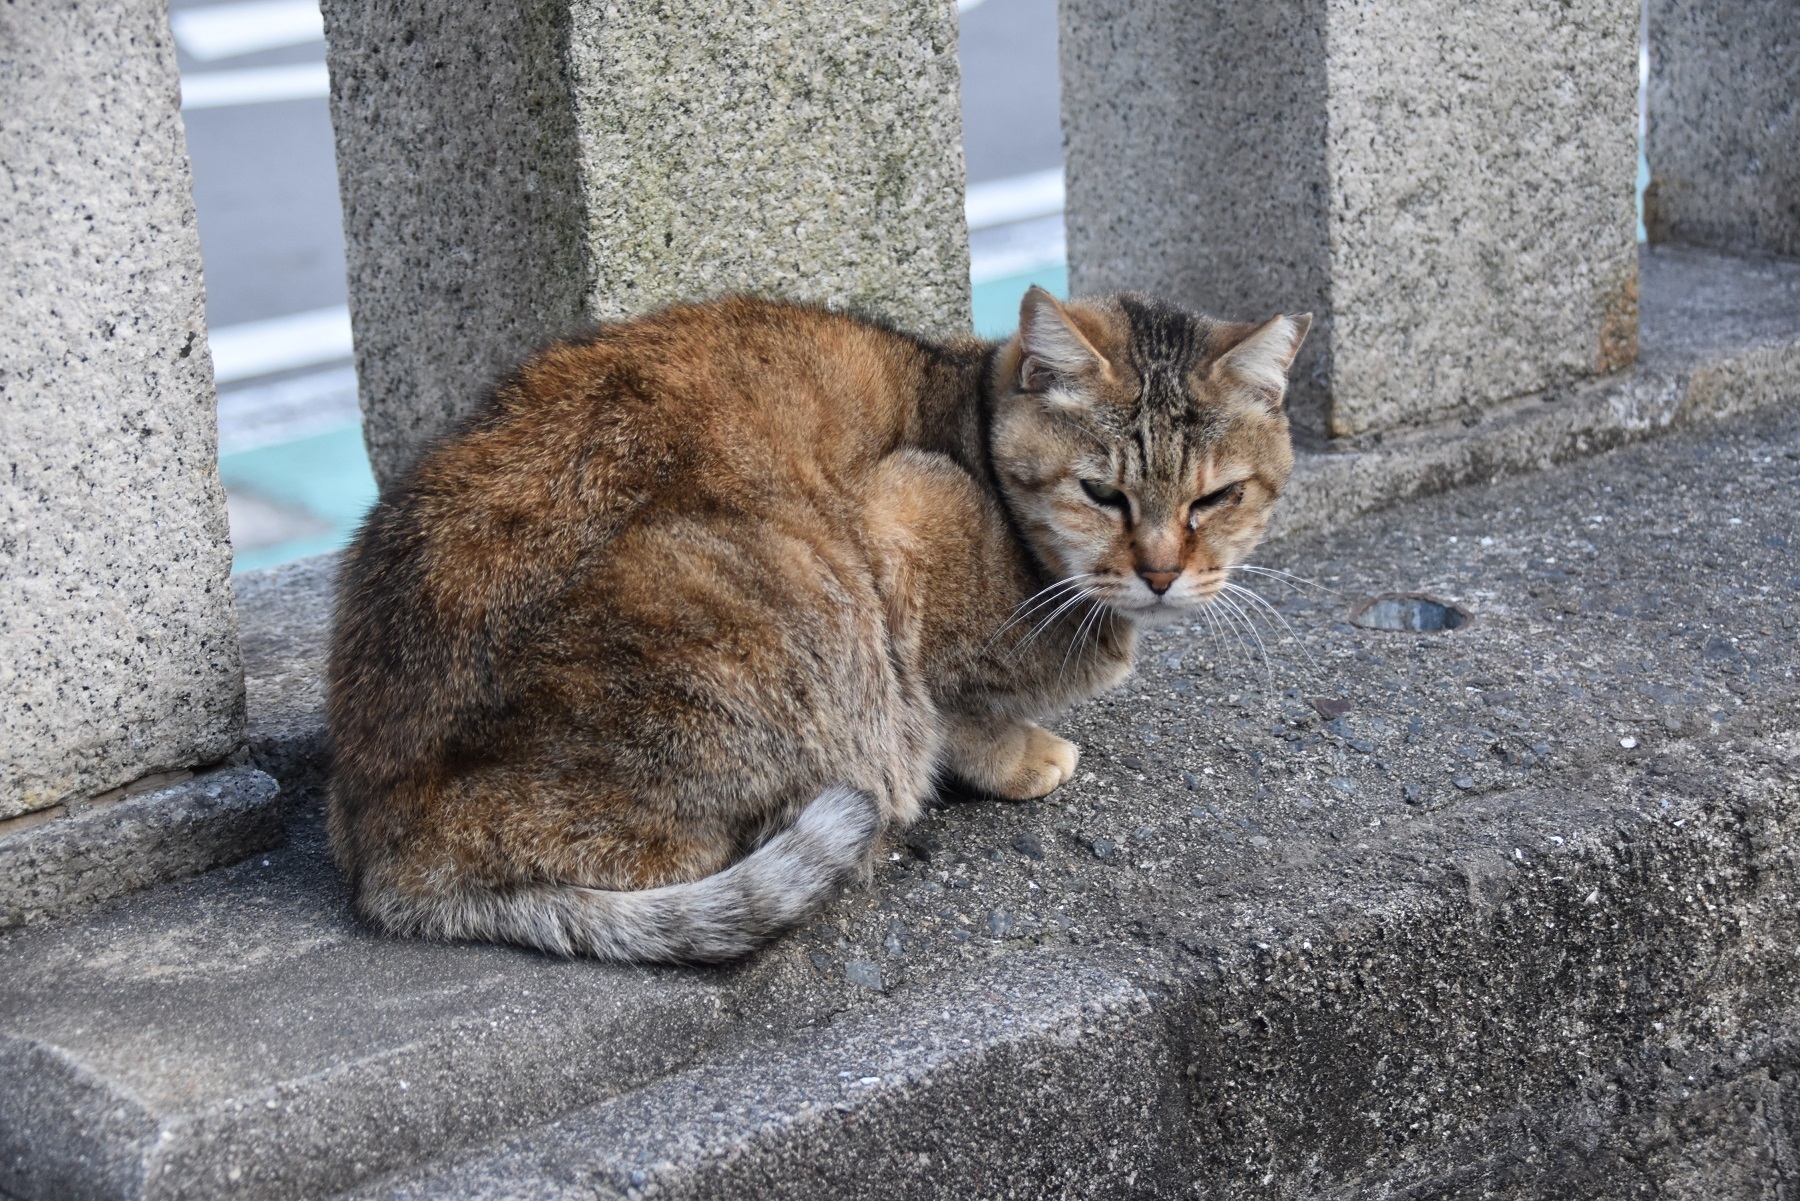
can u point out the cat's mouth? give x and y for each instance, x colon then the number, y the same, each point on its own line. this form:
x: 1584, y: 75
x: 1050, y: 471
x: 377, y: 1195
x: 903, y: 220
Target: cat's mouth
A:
x: 1159, y: 611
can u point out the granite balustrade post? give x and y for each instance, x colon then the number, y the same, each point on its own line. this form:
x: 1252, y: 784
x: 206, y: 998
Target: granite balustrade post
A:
x: 118, y: 644
x: 1724, y: 125
x: 512, y: 170
x: 1447, y: 187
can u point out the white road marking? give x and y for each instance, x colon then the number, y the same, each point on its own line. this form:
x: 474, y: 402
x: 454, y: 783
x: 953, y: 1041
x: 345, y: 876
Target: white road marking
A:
x: 286, y: 410
x: 227, y: 30
x: 1016, y: 249
x: 219, y: 89
x: 280, y: 343
x: 1016, y: 198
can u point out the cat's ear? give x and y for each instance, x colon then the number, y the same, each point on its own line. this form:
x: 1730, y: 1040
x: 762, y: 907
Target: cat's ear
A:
x: 1051, y: 347
x: 1261, y: 358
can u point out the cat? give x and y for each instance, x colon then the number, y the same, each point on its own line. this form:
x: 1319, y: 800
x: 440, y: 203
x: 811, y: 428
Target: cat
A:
x: 643, y: 660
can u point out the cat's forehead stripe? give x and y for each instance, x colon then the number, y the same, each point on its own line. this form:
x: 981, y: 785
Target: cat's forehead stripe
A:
x: 1159, y: 337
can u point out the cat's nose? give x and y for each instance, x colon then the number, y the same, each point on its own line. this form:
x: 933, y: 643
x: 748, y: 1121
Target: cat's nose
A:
x: 1159, y: 581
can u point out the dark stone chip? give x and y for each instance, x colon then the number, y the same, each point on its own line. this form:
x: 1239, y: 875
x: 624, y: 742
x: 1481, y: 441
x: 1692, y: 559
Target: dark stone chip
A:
x: 1029, y: 845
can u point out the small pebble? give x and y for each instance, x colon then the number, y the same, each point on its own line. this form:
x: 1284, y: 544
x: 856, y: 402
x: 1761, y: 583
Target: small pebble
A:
x: 863, y: 972
x: 1143, y: 833
x: 1344, y: 784
x: 1191, y: 780
x: 1133, y: 762
x: 1103, y: 848
x: 1410, y: 793
x: 1001, y: 923
x: 1628, y: 742
x: 1464, y: 782
x: 1029, y: 845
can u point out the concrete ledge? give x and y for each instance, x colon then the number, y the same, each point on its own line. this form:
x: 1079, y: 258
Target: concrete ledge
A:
x: 1720, y: 336
x: 90, y: 851
x: 284, y: 618
x: 1362, y: 1035
x: 1490, y: 915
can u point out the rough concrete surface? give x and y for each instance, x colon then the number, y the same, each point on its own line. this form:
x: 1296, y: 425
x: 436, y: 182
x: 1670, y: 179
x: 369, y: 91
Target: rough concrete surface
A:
x: 113, y: 844
x: 1720, y: 335
x: 1507, y: 911
x: 1411, y: 173
x: 283, y: 613
x: 1724, y: 125
x: 512, y: 171
x: 118, y: 653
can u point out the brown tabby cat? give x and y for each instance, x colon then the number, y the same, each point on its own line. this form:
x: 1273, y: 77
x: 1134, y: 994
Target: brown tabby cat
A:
x: 643, y: 660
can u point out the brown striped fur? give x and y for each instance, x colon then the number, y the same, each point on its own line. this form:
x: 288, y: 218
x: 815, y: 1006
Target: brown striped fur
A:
x: 641, y: 661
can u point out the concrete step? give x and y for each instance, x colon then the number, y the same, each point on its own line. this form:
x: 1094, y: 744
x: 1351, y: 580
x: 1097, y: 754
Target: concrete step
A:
x: 1510, y: 903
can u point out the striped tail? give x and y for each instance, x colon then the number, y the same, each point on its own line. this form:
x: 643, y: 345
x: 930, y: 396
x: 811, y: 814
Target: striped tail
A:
x: 720, y: 917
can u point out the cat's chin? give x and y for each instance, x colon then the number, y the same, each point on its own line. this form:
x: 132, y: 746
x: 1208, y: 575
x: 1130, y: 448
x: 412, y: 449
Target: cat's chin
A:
x: 1150, y: 617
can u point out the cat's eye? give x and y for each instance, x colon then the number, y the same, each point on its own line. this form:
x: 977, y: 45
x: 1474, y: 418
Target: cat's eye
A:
x: 1230, y: 494
x: 1103, y: 493
x: 1226, y: 495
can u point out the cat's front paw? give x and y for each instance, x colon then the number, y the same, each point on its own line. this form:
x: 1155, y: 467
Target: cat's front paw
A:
x: 1013, y: 760
x: 1043, y: 764
x: 1046, y: 763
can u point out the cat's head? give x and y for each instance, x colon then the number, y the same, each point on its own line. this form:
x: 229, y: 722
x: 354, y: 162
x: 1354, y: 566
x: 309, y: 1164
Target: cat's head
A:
x: 1142, y: 447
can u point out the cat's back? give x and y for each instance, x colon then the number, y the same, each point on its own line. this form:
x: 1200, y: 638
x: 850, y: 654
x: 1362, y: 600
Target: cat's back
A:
x: 723, y: 405
x: 705, y: 394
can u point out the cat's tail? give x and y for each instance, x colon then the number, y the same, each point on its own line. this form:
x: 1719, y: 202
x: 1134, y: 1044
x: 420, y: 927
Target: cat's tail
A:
x: 719, y: 917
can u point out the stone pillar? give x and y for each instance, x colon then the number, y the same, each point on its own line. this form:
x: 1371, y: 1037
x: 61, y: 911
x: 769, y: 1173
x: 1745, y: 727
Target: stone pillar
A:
x: 514, y: 169
x: 1724, y: 138
x: 118, y: 646
x: 1448, y: 187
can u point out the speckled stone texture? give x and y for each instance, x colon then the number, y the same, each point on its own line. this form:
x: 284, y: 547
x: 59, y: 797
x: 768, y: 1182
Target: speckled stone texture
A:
x: 1447, y: 187
x: 118, y: 649
x: 95, y: 850
x: 513, y: 171
x: 1724, y: 136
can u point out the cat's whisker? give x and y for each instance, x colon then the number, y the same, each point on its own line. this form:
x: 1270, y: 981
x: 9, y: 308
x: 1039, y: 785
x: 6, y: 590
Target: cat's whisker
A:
x: 1285, y: 577
x: 1238, y: 614
x: 1252, y: 595
x: 1035, y: 601
x: 1080, y: 631
x: 1222, y: 627
x: 1068, y: 603
x: 1212, y: 628
x: 1032, y: 603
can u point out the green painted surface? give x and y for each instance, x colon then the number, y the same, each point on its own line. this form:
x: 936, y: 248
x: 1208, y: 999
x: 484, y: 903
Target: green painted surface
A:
x: 325, y: 476
x: 996, y: 302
